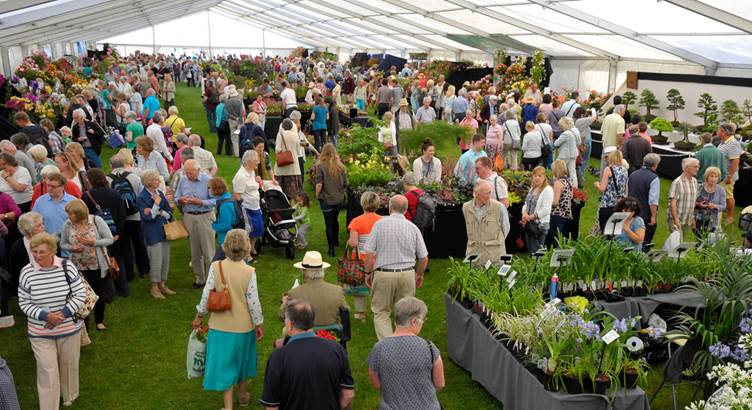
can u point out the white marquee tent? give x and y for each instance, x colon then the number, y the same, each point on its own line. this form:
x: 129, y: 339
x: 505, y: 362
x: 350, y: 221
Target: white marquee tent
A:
x: 592, y: 43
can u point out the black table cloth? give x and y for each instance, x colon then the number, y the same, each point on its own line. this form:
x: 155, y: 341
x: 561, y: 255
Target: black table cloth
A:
x: 669, y: 167
x: 472, y: 346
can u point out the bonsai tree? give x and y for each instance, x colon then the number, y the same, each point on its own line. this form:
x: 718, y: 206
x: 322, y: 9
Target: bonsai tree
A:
x: 675, y: 103
x: 709, y: 113
x: 661, y: 125
x: 650, y: 102
x: 747, y: 110
x: 684, y: 144
x: 628, y: 98
x: 730, y: 112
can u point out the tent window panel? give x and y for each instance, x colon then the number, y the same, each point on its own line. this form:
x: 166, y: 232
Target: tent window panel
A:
x: 439, y: 26
x: 310, y: 6
x: 724, y: 49
x: 551, y: 47
x: 548, y: 19
x: 451, y: 43
x: 624, y: 47
x: 482, y: 22
x: 662, y: 18
x: 404, y: 27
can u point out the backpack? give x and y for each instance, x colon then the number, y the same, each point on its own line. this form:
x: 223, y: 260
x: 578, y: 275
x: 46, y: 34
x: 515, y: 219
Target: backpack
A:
x: 167, y: 132
x: 239, y: 222
x: 124, y: 188
x: 425, y: 212
x: 246, y: 137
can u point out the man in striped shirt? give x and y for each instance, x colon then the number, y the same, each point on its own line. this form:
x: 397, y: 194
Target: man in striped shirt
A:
x: 50, y: 292
x: 732, y: 150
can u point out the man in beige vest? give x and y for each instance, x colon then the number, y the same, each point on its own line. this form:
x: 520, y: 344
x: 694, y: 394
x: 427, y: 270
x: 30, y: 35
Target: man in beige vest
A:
x: 325, y: 298
x: 487, y: 224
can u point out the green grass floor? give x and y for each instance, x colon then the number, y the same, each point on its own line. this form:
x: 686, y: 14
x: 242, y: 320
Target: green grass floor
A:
x: 139, y: 362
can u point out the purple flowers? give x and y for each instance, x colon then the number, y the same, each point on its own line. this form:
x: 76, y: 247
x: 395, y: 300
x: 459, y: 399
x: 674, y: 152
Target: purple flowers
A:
x: 590, y: 330
x: 724, y: 351
x: 655, y: 332
x: 746, y: 325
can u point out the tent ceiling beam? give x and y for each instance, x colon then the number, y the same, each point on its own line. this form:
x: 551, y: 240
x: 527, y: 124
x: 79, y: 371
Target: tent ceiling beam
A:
x: 292, y: 32
x: 390, y: 27
x: 8, y: 6
x: 61, y: 31
x: 37, y: 14
x: 714, y: 13
x: 231, y: 15
x: 709, y: 64
x: 533, y: 28
x: 341, y: 32
x: 380, y: 32
x: 508, y: 42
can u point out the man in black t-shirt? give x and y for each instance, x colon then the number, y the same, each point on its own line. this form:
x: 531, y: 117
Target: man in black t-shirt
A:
x: 309, y: 372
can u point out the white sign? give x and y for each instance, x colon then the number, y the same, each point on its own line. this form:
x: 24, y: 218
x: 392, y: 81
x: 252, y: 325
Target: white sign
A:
x: 503, y: 270
x: 610, y: 336
x: 488, y: 264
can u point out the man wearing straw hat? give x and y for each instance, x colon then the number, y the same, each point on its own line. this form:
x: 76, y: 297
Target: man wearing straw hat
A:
x: 325, y: 298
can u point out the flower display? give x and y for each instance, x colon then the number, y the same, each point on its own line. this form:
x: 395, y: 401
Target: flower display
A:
x: 577, y: 303
x: 325, y: 334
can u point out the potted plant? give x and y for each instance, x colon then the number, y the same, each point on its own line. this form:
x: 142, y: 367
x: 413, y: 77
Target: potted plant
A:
x: 628, y: 98
x: 675, y: 103
x: 730, y: 112
x: 661, y: 125
x: 709, y: 113
x: 746, y: 131
x: 650, y: 102
x: 685, y: 144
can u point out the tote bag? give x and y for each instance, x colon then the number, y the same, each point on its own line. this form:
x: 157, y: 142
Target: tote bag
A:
x: 175, y: 230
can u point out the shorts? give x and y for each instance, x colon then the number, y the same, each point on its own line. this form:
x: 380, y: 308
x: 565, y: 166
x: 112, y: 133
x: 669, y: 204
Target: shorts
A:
x: 256, y: 222
x: 729, y: 189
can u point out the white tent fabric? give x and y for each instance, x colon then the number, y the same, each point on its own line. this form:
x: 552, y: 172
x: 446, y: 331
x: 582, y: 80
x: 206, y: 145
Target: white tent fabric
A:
x: 705, y: 36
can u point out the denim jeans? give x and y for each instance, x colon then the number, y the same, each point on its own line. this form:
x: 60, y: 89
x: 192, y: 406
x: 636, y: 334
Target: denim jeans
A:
x: 211, y: 118
x: 92, y: 156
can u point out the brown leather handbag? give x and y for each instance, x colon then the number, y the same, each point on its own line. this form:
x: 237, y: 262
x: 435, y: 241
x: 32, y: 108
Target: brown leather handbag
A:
x: 285, y: 157
x: 219, y: 301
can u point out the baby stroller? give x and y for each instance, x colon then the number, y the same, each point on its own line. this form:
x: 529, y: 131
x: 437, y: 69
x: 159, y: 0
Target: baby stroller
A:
x: 279, y: 225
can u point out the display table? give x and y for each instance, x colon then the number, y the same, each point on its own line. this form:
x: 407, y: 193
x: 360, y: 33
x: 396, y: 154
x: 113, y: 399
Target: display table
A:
x: 670, y: 165
x: 472, y: 346
x: 644, y: 306
x: 363, y: 120
x: 448, y: 223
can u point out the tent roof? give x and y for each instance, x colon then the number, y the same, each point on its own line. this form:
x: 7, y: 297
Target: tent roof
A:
x: 710, y: 33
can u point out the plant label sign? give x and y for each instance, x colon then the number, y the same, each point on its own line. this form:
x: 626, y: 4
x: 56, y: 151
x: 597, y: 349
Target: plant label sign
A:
x: 512, y: 276
x: 503, y: 270
x: 488, y: 264
x: 511, y: 283
x: 609, y: 337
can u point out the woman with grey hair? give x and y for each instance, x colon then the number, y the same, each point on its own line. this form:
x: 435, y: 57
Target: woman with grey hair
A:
x: 567, y: 143
x: 155, y: 212
x: 245, y: 188
x: 405, y: 367
x: 231, y: 356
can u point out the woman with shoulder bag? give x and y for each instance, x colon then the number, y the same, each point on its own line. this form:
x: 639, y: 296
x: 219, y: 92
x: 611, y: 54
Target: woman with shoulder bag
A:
x: 331, y: 183
x: 512, y: 139
x: 407, y: 369
x: 536, y: 212
x: 613, y: 185
x: 287, y: 168
x: 567, y: 143
x: 50, y: 291
x: 360, y: 229
x: 236, y: 322
x: 87, y: 238
x: 155, y: 212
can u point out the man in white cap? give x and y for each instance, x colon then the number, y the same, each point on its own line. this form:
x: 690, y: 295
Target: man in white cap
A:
x: 325, y: 298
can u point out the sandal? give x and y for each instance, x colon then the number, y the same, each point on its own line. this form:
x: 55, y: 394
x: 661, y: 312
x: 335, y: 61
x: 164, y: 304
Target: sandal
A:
x: 360, y: 316
x: 101, y: 327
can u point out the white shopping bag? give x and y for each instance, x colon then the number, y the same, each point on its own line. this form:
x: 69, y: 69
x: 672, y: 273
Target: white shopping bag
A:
x: 196, y: 357
x: 672, y: 241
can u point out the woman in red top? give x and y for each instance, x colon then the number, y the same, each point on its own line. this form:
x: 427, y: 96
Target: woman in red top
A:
x: 412, y: 193
x: 360, y: 229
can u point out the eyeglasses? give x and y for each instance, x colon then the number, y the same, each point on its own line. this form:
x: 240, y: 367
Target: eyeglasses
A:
x: 51, y: 186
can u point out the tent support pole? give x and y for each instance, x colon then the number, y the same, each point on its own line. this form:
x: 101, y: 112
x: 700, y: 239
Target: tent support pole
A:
x: 153, y: 40
x: 5, y: 56
x: 208, y: 26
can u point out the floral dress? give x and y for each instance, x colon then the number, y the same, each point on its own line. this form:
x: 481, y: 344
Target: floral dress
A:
x: 87, y: 258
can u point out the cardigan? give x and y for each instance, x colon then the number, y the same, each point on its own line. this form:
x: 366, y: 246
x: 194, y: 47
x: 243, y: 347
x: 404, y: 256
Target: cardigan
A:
x: 103, y: 238
x: 543, y: 205
x: 153, y: 227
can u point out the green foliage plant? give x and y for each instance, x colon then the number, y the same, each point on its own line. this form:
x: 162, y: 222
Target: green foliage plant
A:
x: 708, y: 112
x: 649, y: 101
x: 675, y: 102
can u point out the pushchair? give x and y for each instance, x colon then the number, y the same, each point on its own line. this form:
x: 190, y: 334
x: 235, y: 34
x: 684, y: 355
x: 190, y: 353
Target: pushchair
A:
x: 279, y: 226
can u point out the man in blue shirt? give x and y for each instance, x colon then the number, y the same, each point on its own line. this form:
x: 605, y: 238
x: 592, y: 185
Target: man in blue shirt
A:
x: 52, y: 204
x: 571, y: 105
x: 465, y: 168
x: 151, y: 105
x: 193, y: 198
x: 459, y: 107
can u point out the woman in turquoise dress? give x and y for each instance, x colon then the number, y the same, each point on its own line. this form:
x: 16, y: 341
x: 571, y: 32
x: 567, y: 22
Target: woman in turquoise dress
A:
x: 231, y: 355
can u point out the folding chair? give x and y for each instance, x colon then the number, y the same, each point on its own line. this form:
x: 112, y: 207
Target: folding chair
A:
x: 677, y: 363
x: 342, y: 329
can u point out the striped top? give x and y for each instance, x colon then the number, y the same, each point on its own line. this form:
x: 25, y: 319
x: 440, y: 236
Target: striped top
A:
x: 45, y: 290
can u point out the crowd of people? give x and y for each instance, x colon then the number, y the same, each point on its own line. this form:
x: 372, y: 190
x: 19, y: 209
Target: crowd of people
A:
x: 74, y: 236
